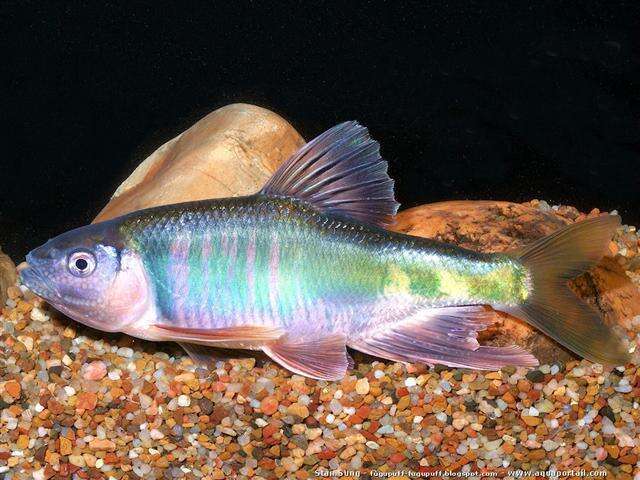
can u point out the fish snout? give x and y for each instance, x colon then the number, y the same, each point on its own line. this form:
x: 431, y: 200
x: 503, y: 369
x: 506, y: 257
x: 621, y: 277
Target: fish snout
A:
x: 31, y: 277
x: 42, y: 253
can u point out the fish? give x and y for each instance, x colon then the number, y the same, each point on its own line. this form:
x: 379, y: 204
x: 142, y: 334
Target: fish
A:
x: 307, y: 267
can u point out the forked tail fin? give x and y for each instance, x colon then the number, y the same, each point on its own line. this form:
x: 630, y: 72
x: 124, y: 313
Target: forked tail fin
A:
x: 552, y: 307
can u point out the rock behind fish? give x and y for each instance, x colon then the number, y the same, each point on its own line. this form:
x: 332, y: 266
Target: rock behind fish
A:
x: 8, y: 275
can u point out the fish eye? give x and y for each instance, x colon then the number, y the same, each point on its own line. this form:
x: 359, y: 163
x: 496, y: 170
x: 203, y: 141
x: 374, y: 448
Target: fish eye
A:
x: 81, y: 263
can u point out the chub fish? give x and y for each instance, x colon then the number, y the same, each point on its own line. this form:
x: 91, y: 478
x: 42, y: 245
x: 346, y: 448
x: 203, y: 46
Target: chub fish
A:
x: 305, y: 268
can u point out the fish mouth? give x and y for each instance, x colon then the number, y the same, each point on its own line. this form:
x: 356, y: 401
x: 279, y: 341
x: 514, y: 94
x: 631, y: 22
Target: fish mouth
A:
x: 31, y: 277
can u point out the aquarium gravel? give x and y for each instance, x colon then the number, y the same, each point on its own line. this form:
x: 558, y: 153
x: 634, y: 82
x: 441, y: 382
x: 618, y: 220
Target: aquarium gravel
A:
x: 76, y: 403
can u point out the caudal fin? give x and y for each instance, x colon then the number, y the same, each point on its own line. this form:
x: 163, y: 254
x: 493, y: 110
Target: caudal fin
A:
x: 552, y: 307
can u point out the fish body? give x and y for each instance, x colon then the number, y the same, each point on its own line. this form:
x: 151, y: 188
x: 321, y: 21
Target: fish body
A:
x: 305, y: 268
x: 274, y: 261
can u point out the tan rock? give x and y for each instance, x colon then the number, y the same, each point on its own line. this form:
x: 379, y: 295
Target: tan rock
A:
x: 298, y: 410
x: 362, y: 386
x: 8, y: 276
x: 230, y: 152
x: 531, y: 421
x: 66, y: 446
x: 102, y: 444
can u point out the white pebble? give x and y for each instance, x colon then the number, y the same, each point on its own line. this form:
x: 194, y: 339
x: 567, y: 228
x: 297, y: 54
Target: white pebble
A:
x: 125, y: 352
x: 493, y: 445
x: 623, y: 386
x: 114, y: 375
x: 38, y: 315
x: 410, y: 382
x: 608, y: 428
x: 244, y: 439
x: 156, y: 434
x: 37, y: 474
x: 184, y: 400
x: 577, y: 372
x: 70, y: 391
x: 385, y: 430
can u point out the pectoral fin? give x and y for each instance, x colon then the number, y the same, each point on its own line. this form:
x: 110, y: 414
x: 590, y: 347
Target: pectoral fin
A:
x: 323, y: 358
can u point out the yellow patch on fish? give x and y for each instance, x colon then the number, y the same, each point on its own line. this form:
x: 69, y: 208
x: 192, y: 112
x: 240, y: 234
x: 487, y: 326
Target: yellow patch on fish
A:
x: 453, y: 285
x: 505, y: 284
x: 397, y: 281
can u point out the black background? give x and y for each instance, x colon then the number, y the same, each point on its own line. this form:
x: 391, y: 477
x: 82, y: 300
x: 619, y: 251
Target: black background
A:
x: 508, y: 101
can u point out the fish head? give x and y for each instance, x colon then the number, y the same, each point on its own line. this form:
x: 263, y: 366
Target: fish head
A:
x: 88, y: 275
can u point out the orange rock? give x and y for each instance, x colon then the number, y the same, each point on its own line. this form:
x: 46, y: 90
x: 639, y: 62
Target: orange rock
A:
x: 507, y: 447
x: 111, y: 458
x: 508, y: 397
x: 102, y: 444
x: 298, y: 410
x: 13, y: 388
x: 95, y: 371
x: 66, y: 447
x: 397, y: 458
x: 524, y: 385
x: 55, y: 407
x: 269, y: 430
x: 23, y: 442
x: 403, y: 403
x: 302, y: 474
x: 326, y: 454
x: 86, y: 401
x: 363, y: 411
x: 269, y: 405
x: 613, y: 450
x: 531, y: 421
x: 630, y: 459
x: 537, y: 454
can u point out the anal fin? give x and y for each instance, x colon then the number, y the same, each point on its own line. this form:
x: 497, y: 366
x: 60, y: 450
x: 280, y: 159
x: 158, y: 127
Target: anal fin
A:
x: 324, y: 358
x: 446, y: 335
x: 201, y: 355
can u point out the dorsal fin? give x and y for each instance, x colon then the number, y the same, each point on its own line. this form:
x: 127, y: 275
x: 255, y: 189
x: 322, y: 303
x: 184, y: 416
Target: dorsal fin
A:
x: 340, y: 171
